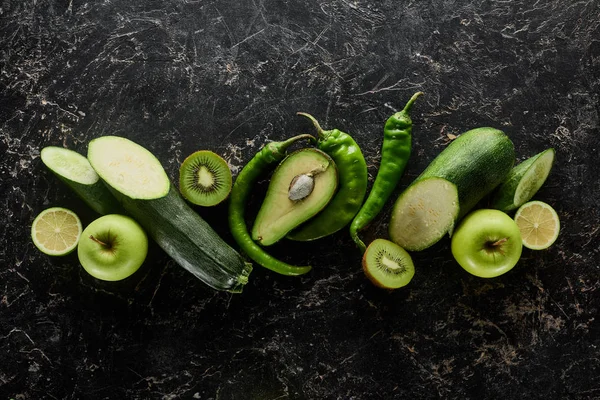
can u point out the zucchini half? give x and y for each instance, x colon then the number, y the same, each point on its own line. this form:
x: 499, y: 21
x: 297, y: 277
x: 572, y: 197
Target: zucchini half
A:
x: 474, y: 163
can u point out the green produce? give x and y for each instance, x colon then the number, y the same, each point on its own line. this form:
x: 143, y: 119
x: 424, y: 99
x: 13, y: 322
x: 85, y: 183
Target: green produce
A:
x: 268, y: 157
x: 137, y: 179
x: 301, y: 186
x: 475, y: 163
x: 487, y: 243
x: 112, y: 247
x: 76, y: 172
x: 539, y: 225
x: 523, y: 182
x: 56, y: 231
x: 205, y: 178
x: 387, y: 265
x: 395, y: 152
x: 352, y: 178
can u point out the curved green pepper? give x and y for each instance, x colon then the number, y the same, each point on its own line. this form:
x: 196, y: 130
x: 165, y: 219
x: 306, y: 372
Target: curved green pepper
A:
x: 352, y: 170
x: 267, y: 157
x: 395, y: 152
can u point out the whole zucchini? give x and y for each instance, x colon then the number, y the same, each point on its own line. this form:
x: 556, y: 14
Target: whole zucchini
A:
x: 475, y: 163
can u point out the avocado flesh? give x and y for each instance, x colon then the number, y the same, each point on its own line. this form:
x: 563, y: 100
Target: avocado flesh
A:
x: 278, y: 214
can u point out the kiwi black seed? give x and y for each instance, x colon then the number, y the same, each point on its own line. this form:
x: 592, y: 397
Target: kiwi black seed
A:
x: 387, y: 265
x: 205, y: 178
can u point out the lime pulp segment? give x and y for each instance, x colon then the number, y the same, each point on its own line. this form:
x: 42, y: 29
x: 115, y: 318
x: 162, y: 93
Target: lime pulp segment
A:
x: 539, y: 224
x: 56, y: 231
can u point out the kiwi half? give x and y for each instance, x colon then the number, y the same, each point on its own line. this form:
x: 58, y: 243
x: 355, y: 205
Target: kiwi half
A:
x: 205, y: 178
x: 387, y: 265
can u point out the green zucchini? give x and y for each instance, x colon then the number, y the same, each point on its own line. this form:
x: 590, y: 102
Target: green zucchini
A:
x: 76, y: 172
x: 475, y: 162
x: 139, y: 182
x: 523, y: 182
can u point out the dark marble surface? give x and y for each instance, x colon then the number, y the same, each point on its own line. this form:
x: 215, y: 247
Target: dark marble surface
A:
x: 180, y: 75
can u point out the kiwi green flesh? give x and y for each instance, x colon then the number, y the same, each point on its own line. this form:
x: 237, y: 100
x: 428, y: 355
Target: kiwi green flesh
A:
x: 424, y: 213
x: 205, y: 178
x: 387, y: 265
x: 279, y: 214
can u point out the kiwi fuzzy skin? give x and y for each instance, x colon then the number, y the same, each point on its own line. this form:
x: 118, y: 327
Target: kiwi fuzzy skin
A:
x: 368, y: 274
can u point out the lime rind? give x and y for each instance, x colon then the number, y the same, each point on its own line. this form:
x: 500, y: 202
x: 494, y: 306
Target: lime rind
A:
x: 527, y: 224
x: 45, y: 229
x: 534, y: 178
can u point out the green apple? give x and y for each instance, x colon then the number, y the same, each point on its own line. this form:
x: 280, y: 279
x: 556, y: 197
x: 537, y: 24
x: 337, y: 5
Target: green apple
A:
x: 112, y: 247
x: 487, y: 243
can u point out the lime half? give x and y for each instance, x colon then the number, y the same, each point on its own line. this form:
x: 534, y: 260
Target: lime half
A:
x: 539, y: 225
x: 56, y: 231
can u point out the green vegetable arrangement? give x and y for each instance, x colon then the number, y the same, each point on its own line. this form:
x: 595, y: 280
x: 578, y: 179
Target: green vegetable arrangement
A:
x: 269, y: 156
x: 352, y: 171
x: 120, y: 176
x: 395, y: 152
x: 137, y: 179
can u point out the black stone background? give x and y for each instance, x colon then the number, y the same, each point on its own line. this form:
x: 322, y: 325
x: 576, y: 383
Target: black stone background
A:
x: 181, y: 75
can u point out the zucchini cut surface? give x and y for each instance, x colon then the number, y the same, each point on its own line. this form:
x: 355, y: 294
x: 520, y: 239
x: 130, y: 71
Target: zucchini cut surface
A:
x: 69, y: 164
x: 424, y: 213
x: 128, y: 167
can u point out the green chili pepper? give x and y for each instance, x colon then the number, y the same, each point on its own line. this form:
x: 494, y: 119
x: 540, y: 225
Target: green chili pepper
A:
x: 267, y: 157
x: 352, y: 170
x: 395, y: 152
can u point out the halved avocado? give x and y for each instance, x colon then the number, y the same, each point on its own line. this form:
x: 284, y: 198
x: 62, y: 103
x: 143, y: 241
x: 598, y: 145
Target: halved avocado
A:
x: 301, y: 186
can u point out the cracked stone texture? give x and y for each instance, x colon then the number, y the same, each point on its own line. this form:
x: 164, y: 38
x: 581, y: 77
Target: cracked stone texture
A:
x: 181, y: 75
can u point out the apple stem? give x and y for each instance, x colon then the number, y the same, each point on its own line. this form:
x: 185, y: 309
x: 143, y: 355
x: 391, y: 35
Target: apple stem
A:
x: 100, y: 242
x: 499, y: 242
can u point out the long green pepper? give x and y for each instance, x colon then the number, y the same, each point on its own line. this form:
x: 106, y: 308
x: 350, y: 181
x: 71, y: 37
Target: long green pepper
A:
x: 352, y: 170
x: 395, y: 152
x: 267, y: 157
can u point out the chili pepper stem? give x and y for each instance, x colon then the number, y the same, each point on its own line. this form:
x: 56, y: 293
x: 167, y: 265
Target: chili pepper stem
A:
x: 320, y: 131
x: 288, y: 142
x: 410, y: 102
x: 361, y: 245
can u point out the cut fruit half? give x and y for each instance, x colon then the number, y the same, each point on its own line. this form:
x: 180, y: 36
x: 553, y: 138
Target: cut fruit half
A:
x: 301, y: 186
x: 56, y: 231
x: 387, y: 265
x: 128, y: 168
x: 523, y: 181
x: 424, y: 213
x: 205, y: 178
x: 539, y: 225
